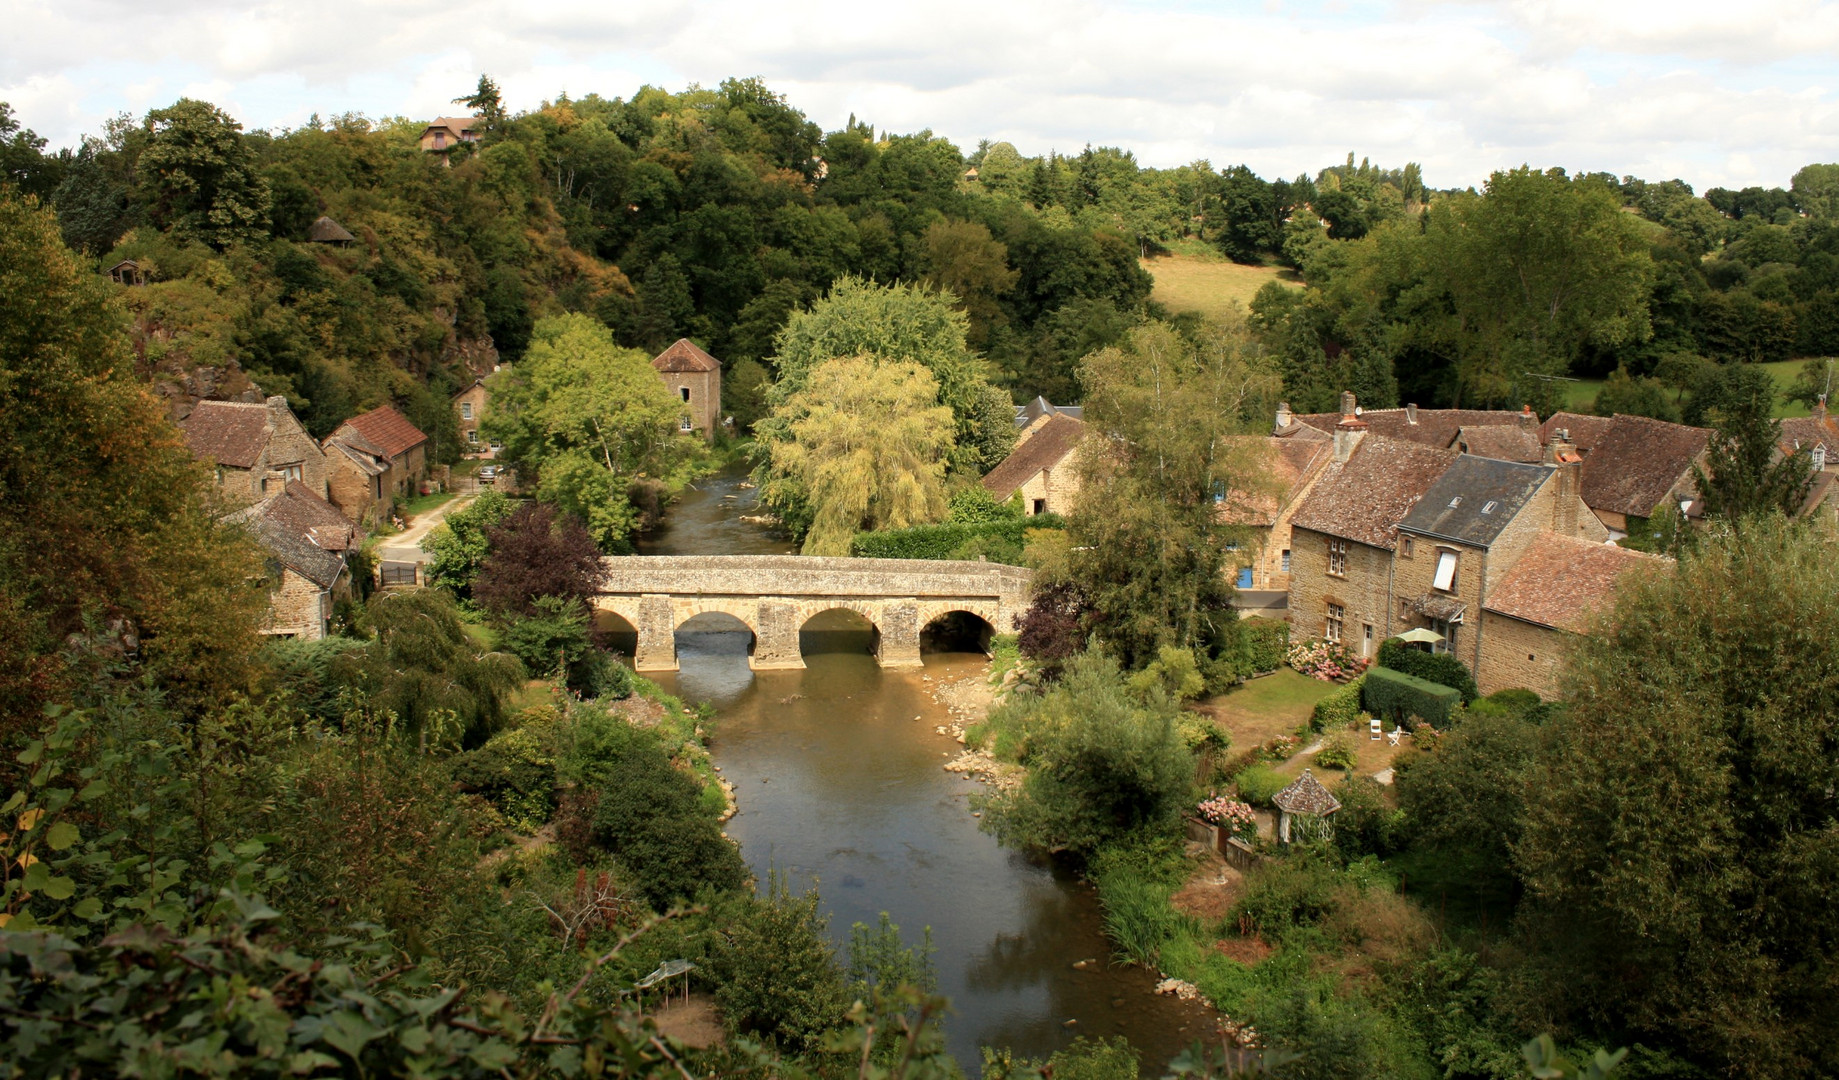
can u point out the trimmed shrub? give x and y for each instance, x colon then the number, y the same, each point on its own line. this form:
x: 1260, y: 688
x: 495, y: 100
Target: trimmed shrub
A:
x: 1263, y: 644
x: 1340, y: 708
x: 1337, y: 753
x: 1258, y: 783
x: 1432, y: 667
x: 1396, y: 695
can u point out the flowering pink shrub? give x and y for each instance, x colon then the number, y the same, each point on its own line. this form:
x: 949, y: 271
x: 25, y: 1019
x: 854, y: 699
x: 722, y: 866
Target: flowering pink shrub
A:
x: 1328, y: 661
x: 1281, y: 747
x: 1230, y: 814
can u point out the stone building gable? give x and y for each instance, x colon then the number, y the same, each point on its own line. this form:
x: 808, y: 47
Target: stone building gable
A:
x: 1050, y: 448
x: 694, y: 378
x: 1365, y: 497
x: 256, y: 448
x: 1638, y: 463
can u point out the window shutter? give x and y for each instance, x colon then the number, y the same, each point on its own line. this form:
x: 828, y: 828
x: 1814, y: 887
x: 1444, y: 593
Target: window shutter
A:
x: 1446, y: 571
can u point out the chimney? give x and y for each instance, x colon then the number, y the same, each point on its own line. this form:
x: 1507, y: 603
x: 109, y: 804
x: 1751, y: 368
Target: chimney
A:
x: 1570, y: 488
x: 1819, y: 408
x: 1348, y: 434
x: 1411, y: 414
x: 1528, y: 419
x: 1349, y: 408
x: 1283, y: 416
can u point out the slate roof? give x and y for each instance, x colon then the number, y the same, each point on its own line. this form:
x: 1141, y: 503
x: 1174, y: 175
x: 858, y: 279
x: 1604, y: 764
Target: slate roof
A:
x: 1306, y: 795
x: 1049, y: 447
x: 1559, y: 580
x: 327, y: 231
x: 303, y: 531
x: 387, y: 430
x: 1433, y: 427
x: 1583, y: 430
x: 227, y: 432
x: 1508, y: 442
x: 1039, y: 407
x: 1475, y: 499
x: 1288, y: 465
x: 1636, y: 462
x: 1365, y: 497
x: 360, y: 451
x: 683, y: 355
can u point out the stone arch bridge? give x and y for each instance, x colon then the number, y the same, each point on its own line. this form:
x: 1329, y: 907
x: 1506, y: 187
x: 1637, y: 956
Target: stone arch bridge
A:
x: 775, y: 595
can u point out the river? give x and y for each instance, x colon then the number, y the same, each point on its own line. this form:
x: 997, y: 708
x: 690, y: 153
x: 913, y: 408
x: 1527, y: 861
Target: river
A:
x: 837, y: 775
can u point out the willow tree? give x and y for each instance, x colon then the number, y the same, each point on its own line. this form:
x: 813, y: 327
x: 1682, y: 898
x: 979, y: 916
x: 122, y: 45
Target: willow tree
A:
x: 867, y: 448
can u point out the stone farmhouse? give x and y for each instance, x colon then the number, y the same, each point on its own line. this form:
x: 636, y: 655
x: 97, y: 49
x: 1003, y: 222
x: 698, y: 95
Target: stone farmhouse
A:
x: 307, y: 542
x: 255, y: 449
x: 1818, y: 437
x: 386, y: 436
x: 1290, y: 468
x: 1543, y: 604
x: 469, y: 407
x: 446, y: 132
x: 696, y: 378
x: 1042, y: 468
x: 1633, y: 466
x: 1031, y: 417
x: 1472, y: 525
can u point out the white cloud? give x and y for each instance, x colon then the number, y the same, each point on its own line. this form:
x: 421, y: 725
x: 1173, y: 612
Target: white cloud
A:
x: 1714, y: 93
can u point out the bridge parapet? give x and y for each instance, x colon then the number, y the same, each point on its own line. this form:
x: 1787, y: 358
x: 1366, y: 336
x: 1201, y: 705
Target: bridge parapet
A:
x: 773, y: 594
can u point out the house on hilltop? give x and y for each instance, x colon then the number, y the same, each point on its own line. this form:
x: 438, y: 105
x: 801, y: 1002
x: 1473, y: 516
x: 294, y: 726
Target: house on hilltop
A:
x: 446, y: 132
x: 255, y: 449
x: 1042, y: 469
x: 307, y: 542
x: 1543, y: 603
x: 696, y: 378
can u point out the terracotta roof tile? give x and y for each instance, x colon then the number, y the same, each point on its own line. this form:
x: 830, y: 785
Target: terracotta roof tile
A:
x: 683, y: 355
x: 386, y: 429
x: 1559, y: 580
x: 1508, y: 442
x: 1046, y: 449
x: 1365, y: 497
x: 1433, y: 427
x: 1289, y: 464
x: 227, y: 432
x: 1636, y: 462
x: 1581, y: 429
x: 1802, y: 432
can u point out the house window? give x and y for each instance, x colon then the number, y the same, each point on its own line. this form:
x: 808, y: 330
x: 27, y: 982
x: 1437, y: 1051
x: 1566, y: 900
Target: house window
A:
x: 220, y: 475
x: 1404, y: 546
x: 472, y: 436
x: 685, y: 391
x: 1331, y: 627
x: 1448, y: 630
x: 686, y: 424
x: 466, y: 410
x: 1040, y: 507
x: 1286, y: 560
x: 1337, y: 558
x: 1446, y: 572
x: 291, y: 472
x: 1404, y: 610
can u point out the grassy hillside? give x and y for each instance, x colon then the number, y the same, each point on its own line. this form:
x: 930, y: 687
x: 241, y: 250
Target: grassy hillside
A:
x: 1581, y: 395
x: 1195, y: 278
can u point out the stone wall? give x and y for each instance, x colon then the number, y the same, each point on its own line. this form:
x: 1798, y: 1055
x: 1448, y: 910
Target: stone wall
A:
x: 1057, y: 488
x: 473, y: 399
x: 350, y: 488
x: 1364, y: 591
x: 1520, y: 654
x: 298, y: 608
x: 1412, y: 577
x: 705, y: 397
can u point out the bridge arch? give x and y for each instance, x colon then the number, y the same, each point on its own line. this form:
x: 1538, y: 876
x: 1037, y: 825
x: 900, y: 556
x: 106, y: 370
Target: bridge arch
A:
x: 957, y: 630
x: 838, y: 627
x: 719, y: 625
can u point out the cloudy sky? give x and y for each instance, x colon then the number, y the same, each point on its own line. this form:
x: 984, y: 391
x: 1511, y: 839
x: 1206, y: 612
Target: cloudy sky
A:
x: 1712, y: 92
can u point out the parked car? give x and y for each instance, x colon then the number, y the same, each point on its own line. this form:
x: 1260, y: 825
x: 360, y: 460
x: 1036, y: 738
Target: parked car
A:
x: 488, y: 474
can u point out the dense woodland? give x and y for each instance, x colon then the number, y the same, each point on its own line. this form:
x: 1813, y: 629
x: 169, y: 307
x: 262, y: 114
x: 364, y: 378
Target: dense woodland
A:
x: 444, y: 841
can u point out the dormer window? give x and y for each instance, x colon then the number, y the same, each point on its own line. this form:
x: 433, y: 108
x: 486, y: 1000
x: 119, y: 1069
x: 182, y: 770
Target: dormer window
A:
x: 1819, y: 456
x: 1455, y: 502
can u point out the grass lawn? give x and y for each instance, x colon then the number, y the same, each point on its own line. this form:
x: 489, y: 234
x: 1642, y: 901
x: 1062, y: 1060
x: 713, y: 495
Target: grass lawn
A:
x: 1262, y: 709
x: 1208, y: 283
x: 1580, y: 396
x: 421, y: 504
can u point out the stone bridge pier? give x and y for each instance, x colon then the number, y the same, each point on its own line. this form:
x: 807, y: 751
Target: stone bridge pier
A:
x: 774, y: 596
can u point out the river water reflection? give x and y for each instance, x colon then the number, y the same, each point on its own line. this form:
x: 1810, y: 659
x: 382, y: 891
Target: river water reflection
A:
x: 837, y: 773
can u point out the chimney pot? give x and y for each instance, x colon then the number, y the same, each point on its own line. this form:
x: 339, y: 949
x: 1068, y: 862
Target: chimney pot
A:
x: 1349, y: 407
x: 1411, y: 414
x: 1283, y: 415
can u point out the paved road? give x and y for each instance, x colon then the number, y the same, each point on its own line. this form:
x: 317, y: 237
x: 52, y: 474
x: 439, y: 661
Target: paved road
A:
x: 405, y: 547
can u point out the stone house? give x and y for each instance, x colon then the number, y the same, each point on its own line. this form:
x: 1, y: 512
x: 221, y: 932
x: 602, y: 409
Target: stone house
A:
x: 1429, y: 427
x: 308, y: 542
x: 1818, y: 437
x: 695, y: 378
x: 1543, y: 603
x: 446, y: 132
x: 1043, y: 469
x: 387, y: 433
x: 1633, y: 466
x: 358, y: 479
x: 1289, y: 468
x: 254, y: 448
x: 469, y: 405
x: 127, y: 272
x: 1470, y: 527
x: 1031, y: 417
x: 1343, y: 534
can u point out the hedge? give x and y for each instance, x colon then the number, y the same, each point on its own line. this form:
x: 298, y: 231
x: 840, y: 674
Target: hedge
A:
x: 1396, y: 695
x: 943, y: 541
x: 1263, y: 644
x: 1340, y: 708
x: 1433, y: 667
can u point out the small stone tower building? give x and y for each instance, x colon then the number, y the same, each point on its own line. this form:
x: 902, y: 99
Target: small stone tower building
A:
x: 696, y: 378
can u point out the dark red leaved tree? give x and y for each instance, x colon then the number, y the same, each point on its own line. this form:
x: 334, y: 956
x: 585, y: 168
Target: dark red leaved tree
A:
x: 536, y: 552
